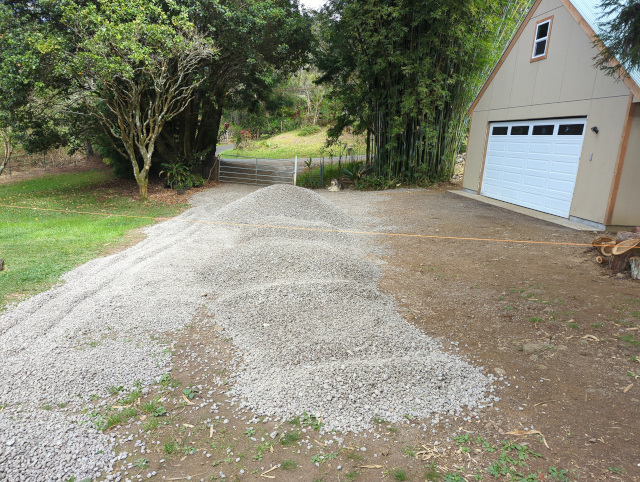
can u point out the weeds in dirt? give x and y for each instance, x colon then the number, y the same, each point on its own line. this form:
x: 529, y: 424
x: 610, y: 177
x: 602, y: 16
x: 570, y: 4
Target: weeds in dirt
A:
x: 47, y: 407
x: 322, y: 458
x: 306, y: 420
x: 535, y: 320
x: 141, y: 463
x: 288, y: 464
x: 431, y: 474
x: 354, y: 455
x: 352, y: 475
x: 190, y: 393
x: 290, y: 438
x: 170, y: 447
x: 261, y: 449
x: 410, y: 452
x: 574, y: 325
x: 630, y: 339
x: 616, y: 470
x: 400, y: 475
x: 167, y: 382
x: 250, y: 432
x: 113, y: 390
x: 379, y: 420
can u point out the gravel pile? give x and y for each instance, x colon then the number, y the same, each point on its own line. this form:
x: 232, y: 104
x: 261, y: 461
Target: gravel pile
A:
x: 302, y: 305
x: 317, y: 334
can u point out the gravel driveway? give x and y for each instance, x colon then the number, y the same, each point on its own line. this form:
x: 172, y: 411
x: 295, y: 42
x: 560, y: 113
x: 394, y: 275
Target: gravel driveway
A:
x: 301, y: 304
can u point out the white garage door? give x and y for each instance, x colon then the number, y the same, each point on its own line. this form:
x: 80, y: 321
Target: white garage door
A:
x: 534, y: 163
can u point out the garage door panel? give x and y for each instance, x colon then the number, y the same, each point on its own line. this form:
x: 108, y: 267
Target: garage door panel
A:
x: 539, y: 148
x: 560, y: 186
x: 535, y: 201
x: 493, y: 174
x: 541, y: 165
x: 495, y: 160
x: 567, y: 149
x: 497, y: 146
x: 515, y: 146
x: 557, y: 205
x: 560, y: 167
x: 490, y: 189
x: 511, y: 194
x: 537, y: 172
x: 514, y: 162
x: 534, y: 181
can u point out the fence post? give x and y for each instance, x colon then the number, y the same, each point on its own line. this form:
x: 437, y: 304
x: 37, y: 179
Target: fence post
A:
x: 295, y: 171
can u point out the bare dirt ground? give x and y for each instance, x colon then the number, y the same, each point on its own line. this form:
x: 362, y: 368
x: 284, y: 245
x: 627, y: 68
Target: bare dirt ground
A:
x: 561, y: 330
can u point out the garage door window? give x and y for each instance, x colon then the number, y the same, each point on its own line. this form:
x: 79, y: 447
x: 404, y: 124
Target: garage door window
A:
x: 499, y: 131
x: 570, y: 129
x: 520, y: 131
x: 543, y: 130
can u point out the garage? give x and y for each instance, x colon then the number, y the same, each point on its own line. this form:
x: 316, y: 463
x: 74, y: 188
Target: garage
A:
x: 534, y: 164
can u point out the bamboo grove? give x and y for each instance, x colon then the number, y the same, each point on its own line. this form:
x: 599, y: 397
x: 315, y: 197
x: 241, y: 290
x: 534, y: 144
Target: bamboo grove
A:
x: 406, y: 72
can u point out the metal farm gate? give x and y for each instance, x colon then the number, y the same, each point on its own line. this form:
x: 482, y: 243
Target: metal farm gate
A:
x: 246, y: 170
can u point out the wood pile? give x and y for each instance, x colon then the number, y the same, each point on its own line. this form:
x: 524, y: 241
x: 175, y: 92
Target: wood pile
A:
x: 620, y: 253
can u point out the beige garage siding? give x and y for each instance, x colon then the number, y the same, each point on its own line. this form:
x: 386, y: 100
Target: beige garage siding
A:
x: 627, y: 208
x: 565, y: 84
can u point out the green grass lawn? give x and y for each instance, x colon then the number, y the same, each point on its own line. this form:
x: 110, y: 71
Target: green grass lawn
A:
x: 39, y: 246
x: 290, y: 144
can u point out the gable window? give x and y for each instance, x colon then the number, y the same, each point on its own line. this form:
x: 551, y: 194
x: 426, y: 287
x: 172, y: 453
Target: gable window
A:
x: 541, y: 39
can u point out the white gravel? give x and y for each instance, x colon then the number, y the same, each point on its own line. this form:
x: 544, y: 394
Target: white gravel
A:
x: 303, y: 307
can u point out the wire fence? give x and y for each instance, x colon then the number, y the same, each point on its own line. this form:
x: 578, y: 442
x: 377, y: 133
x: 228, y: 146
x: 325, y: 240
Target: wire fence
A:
x: 42, y: 160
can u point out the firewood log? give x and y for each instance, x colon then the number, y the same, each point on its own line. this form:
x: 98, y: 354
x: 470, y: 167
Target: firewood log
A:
x: 634, y: 262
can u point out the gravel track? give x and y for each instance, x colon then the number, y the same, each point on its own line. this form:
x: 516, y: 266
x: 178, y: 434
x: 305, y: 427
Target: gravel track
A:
x: 303, y: 306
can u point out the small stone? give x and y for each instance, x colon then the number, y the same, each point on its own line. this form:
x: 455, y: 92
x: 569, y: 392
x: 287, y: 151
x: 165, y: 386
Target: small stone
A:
x: 592, y: 440
x: 238, y: 459
x: 10, y: 442
x: 273, y: 434
x: 339, y: 467
x: 500, y: 371
x: 533, y: 357
x: 363, y: 449
x: 532, y: 347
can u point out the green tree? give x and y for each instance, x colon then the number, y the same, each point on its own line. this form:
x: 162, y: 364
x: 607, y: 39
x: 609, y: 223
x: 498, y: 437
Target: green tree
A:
x: 259, y: 42
x: 619, y: 37
x: 406, y: 72
x: 137, y: 64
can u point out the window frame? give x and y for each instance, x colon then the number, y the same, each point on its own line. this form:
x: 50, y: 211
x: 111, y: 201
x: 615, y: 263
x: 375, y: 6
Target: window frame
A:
x: 548, y: 38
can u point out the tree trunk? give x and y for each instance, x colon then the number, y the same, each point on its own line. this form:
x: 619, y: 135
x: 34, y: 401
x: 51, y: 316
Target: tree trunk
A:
x: 620, y: 262
x: 368, y: 146
x: 142, y: 185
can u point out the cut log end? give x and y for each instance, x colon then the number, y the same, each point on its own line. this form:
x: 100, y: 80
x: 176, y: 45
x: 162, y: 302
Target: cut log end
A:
x: 601, y: 259
x: 634, y: 264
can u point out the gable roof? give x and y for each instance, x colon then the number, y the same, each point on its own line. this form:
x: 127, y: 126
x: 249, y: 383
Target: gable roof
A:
x: 587, y: 13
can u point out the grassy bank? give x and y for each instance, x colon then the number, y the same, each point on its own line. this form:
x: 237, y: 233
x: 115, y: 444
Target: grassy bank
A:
x: 291, y: 144
x: 39, y: 246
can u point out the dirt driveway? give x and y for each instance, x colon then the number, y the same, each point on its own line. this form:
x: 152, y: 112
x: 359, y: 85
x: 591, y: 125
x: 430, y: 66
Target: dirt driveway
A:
x: 549, y: 316
x: 558, y: 330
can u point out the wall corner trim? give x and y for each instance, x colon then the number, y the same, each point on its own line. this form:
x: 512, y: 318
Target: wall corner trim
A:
x: 622, y: 151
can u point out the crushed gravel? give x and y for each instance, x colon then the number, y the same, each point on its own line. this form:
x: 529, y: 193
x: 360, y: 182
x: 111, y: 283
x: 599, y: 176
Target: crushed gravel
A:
x: 302, y: 306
